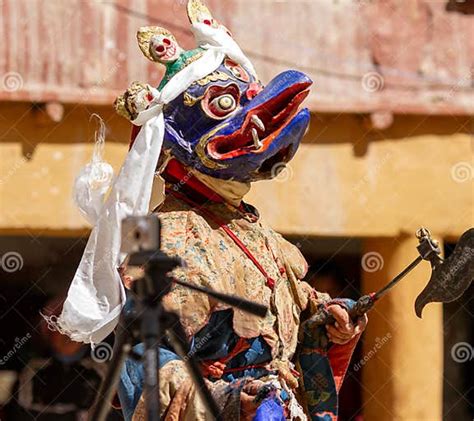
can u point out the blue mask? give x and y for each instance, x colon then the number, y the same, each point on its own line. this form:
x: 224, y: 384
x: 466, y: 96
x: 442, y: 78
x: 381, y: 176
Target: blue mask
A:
x: 228, y: 126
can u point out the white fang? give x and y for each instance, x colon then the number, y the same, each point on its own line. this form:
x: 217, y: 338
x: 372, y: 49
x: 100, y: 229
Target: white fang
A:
x: 259, y: 123
x: 256, y: 141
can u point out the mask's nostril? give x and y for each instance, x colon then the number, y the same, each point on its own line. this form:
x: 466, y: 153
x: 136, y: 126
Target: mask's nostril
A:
x: 253, y: 90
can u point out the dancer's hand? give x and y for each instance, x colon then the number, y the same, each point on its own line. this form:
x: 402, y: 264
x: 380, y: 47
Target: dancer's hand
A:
x: 248, y: 406
x: 344, y: 329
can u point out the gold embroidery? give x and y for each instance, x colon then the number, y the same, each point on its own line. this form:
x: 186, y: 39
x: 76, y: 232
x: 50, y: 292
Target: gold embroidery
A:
x: 201, y: 153
x: 195, y: 57
x: 213, y: 77
x: 190, y: 100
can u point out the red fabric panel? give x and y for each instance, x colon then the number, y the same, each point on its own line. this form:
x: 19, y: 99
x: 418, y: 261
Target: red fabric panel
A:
x: 133, y: 135
x: 339, y: 359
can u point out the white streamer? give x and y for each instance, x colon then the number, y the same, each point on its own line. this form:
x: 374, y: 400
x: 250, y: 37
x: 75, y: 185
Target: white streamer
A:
x: 94, y: 179
x: 207, y: 36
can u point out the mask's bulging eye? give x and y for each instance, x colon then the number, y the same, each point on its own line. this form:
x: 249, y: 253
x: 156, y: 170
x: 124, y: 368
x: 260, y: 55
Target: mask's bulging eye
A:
x: 222, y: 105
x: 220, y: 101
x: 224, y: 102
x: 166, y: 41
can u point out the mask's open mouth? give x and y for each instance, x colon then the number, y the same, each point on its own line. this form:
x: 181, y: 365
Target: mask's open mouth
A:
x: 261, y: 125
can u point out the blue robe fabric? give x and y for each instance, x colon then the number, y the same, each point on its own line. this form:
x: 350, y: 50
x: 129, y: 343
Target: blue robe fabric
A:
x: 131, y: 379
x: 269, y: 410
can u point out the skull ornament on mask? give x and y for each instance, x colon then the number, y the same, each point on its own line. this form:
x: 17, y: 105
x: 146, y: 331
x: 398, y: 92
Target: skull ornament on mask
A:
x: 164, y: 48
x: 198, y: 13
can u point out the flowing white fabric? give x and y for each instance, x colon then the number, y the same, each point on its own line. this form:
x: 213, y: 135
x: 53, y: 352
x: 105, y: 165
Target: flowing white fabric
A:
x: 206, y: 36
x: 96, y: 295
x: 94, y: 180
x: 90, y: 188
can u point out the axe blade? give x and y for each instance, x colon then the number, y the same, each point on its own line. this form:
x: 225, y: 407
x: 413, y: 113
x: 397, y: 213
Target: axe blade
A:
x: 450, y: 279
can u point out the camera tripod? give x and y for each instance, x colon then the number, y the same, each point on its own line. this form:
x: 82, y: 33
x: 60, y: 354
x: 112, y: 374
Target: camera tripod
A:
x: 149, y: 321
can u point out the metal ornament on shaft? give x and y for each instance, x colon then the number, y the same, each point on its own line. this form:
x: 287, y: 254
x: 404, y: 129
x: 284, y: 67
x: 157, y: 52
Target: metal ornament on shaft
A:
x: 428, y: 250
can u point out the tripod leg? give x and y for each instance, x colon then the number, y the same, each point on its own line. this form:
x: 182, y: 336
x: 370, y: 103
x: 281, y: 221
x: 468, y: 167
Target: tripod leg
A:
x: 150, y: 331
x: 180, y: 343
x: 122, y: 347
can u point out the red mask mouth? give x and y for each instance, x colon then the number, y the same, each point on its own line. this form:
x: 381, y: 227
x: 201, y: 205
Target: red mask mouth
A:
x: 261, y: 125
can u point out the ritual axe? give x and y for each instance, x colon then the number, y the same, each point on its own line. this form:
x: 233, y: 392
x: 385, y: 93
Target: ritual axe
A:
x: 449, y: 279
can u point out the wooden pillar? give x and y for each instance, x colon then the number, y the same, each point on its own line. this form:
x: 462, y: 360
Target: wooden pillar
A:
x: 402, y: 361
